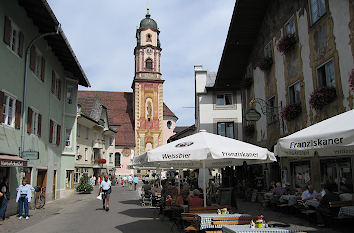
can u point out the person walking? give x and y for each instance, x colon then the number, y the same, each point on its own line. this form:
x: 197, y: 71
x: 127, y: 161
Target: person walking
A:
x: 5, y: 197
x: 130, y: 182
x: 94, y: 180
x: 105, y: 187
x: 24, y: 196
x: 91, y: 180
x: 136, y: 181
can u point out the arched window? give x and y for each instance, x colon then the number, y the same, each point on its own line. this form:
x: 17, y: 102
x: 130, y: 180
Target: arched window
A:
x: 148, y: 38
x: 117, y: 159
x: 169, y: 124
x: 148, y: 63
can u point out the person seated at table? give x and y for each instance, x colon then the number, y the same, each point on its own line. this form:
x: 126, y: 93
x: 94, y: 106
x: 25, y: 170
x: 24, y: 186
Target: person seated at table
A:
x: 309, y: 194
x: 156, y: 190
x: 278, y: 190
x: 323, y: 208
x: 182, y: 199
x: 146, y: 188
x: 195, y: 201
x: 169, y: 200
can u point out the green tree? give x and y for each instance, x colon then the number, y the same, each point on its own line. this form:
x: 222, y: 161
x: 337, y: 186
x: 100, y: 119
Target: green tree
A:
x: 84, y: 185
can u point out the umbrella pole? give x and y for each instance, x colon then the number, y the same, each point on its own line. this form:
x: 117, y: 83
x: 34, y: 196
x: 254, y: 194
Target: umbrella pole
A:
x: 204, y: 188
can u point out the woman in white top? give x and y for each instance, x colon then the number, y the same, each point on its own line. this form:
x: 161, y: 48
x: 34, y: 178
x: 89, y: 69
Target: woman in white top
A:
x: 24, y: 196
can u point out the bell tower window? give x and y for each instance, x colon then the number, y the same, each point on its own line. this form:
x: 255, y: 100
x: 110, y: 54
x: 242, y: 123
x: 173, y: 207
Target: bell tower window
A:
x: 148, y: 38
x: 148, y: 63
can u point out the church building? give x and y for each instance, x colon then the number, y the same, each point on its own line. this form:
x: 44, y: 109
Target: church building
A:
x: 141, y: 118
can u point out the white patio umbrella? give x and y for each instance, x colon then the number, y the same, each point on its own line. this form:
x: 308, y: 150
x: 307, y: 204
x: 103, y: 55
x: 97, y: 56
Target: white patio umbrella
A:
x: 331, y: 137
x: 203, y: 150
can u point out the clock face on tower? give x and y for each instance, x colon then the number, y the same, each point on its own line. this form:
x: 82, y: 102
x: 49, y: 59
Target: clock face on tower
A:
x: 148, y: 51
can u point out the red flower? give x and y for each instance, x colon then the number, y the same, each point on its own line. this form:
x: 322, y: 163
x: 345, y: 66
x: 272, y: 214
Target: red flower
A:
x: 100, y: 161
x: 286, y: 43
x: 290, y: 111
x: 322, y: 96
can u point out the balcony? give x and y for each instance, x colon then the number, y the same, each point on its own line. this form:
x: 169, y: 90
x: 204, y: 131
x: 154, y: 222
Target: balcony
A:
x: 97, y: 144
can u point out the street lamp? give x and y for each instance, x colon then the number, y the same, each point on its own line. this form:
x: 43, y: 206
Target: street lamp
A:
x: 252, y: 114
x: 28, y: 49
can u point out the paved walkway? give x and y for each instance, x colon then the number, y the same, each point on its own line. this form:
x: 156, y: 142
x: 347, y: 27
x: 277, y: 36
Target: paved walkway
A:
x: 84, y: 213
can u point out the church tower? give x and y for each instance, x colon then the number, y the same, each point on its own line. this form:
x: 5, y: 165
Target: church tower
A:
x: 148, y: 87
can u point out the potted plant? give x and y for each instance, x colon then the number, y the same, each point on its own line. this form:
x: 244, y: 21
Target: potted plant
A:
x: 351, y: 80
x: 322, y: 96
x: 248, y: 130
x: 290, y: 111
x: 84, y: 185
x: 286, y: 43
x: 100, y: 161
x: 265, y: 63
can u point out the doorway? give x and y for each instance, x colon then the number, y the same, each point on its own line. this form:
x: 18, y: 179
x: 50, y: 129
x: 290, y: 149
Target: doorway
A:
x: 54, y: 183
x: 42, y: 179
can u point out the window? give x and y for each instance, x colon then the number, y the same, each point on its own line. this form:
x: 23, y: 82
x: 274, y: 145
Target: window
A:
x: 86, y: 133
x: 8, y: 110
x: 69, y: 94
x: 86, y: 154
x: 78, y: 130
x: 224, y: 99
x: 317, y: 9
x: 148, y: 63
x: 54, y: 133
x: 271, y: 113
x: 268, y: 50
x: 290, y: 27
x: 169, y: 124
x: 68, y: 137
x: 148, y: 38
x: 13, y: 37
x: 56, y: 85
x: 294, y: 93
x: 110, y: 157
x: 78, y: 153
x: 226, y: 129
x: 111, y: 138
x: 117, y: 159
x: 69, y: 181
x: 38, y: 64
x: 35, y: 122
x: 325, y: 75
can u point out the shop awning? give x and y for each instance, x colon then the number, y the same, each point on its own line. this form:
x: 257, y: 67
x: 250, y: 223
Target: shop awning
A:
x: 12, y: 161
x: 331, y: 137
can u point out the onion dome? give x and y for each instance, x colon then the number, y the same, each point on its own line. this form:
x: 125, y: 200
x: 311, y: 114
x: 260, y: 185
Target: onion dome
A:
x: 148, y: 22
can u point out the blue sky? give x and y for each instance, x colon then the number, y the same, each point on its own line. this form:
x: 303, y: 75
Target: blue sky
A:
x: 102, y: 35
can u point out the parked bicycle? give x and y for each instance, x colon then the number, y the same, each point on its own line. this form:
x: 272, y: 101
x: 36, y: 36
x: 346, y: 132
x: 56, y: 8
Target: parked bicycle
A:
x: 40, y: 197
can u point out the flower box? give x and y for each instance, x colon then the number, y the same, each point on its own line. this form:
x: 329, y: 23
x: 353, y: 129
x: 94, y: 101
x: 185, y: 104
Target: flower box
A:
x: 286, y: 43
x: 290, y: 111
x: 265, y: 63
x: 100, y: 161
x: 351, y: 80
x: 322, y: 96
x: 248, y: 130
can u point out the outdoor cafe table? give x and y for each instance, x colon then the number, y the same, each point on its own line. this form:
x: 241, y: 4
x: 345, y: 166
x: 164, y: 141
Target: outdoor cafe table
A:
x: 247, y: 229
x: 346, y: 211
x: 291, y: 199
x: 205, y: 219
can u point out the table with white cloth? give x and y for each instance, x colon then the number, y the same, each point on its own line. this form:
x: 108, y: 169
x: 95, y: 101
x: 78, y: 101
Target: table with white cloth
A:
x: 290, y: 199
x: 248, y: 229
x: 205, y: 219
x: 346, y: 211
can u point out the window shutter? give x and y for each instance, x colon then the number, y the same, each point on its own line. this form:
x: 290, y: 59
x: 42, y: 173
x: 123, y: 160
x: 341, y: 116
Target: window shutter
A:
x: 7, y: 30
x: 29, y: 120
x: 50, y: 131
x: 59, y: 90
x: 33, y: 58
x: 39, y: 125
x: 20, y: 44
x: 1, y: 105
x: 58, y: 134
x: 18, y: 114
x: 43, y: 69
x: 53, y: 81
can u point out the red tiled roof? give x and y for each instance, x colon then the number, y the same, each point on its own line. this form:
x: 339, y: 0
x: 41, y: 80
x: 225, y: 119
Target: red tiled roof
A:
x: 120, y: 112
x: 87, y: 104
x: 167, y: 111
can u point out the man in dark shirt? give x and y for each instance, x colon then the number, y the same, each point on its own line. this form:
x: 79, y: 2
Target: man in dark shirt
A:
x: 323, y: 208
x: 5, y: 197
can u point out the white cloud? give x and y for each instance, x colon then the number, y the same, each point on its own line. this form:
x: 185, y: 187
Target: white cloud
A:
x: 102, y: 34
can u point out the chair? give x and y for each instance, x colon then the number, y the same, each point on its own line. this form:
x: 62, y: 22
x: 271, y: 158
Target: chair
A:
x: 146, y: 199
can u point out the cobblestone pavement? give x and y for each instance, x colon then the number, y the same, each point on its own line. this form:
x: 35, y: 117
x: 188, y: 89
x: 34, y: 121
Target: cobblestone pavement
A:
x: 296, y: 221
x: 84, y: 213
